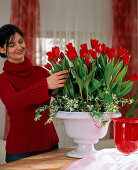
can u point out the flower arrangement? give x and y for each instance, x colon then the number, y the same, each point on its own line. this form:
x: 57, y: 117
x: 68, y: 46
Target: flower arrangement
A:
x: 95, y: 82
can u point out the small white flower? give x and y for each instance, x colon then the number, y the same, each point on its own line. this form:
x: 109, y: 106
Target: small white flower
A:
x: 75, y: 105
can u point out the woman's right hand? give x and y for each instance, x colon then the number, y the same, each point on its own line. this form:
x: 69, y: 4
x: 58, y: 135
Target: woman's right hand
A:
x: 57, y: 80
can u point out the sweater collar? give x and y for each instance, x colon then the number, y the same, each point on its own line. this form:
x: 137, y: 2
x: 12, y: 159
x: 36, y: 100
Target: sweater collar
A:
x: 23, y: 69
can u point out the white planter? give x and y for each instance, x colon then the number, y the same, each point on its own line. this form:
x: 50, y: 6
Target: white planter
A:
x: 85, y: 131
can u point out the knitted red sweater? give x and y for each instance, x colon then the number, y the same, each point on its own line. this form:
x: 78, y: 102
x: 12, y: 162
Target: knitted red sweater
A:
x: 23, y: 88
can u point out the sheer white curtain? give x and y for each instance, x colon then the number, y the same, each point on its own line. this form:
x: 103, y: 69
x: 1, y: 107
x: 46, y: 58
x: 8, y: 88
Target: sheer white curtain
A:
x: 76, y: 21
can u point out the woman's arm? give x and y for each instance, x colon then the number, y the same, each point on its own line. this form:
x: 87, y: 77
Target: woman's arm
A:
x: 35, y: 94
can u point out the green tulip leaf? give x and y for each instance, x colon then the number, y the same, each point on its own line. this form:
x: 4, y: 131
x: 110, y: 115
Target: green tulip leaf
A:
x: 121, y: 74
x: 108, y: 74
x: 103, y: 61
x: 117, y: 69
x: 55, y: 91
x: 94, y: 85
x: 63, y: 65
x: 71, y: 90
x: 87, y: 81
x: 126, y: 89
x: 56, y: 67
x: 79, y: 81
x: 117, y: 88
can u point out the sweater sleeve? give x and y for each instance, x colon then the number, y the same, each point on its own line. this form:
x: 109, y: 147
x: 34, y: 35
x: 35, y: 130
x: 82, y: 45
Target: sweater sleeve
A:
x: 35, y: 94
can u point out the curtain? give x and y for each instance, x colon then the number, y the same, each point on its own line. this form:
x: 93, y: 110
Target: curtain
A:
x: 125, y: 34
x: 25, y: 14
x: 76, y: 21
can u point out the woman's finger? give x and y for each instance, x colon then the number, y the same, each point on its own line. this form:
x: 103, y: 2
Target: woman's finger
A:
x: 63, y: 76
x: 61, y: 72
x: 62, y: 81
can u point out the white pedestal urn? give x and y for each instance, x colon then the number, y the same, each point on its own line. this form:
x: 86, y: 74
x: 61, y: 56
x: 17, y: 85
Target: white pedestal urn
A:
x: 85, y: 131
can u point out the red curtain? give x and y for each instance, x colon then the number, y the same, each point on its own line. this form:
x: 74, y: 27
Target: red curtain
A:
x: 25, y: 14
x: 125, y: 34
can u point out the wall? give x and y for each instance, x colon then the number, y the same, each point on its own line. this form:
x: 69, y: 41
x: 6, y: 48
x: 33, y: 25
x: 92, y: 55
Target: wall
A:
x: 4, y: 19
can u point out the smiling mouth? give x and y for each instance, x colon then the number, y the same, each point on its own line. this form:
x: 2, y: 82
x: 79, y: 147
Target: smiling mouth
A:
x: 20, y: 52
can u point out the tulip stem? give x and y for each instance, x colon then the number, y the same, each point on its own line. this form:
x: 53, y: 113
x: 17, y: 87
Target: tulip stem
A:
x: 67, y: 90
x: 75, y: 66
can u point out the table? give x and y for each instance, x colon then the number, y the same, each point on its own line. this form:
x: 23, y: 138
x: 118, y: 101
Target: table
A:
x: 46, y: 161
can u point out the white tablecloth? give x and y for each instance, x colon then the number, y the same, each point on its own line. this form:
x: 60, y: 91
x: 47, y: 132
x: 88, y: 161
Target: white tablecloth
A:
x: 106, y: 159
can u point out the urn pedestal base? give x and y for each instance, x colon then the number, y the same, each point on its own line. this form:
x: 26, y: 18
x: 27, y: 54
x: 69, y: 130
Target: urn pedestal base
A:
x: 82, y: 151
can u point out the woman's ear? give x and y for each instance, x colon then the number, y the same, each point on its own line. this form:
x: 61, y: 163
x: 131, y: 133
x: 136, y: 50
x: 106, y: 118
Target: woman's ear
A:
x: 2, y: 50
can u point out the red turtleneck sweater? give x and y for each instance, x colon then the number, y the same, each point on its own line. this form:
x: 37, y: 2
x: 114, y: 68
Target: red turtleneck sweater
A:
x: 23, y: 88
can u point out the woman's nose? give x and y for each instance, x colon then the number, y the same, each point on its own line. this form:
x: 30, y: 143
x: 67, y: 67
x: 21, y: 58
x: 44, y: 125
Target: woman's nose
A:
x: 18, y: 45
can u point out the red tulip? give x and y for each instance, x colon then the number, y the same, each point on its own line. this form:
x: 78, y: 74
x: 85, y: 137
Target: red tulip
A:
x: 88, y: 62
x: 48, y: 66
x: 84, y: 51
x: 104, y: 49
x: 56, y: 50
x: 71, y: 53
x: 126, y: 58
x: 94, y: 43
x: 93, y: 53
x: 98, y: 48
x: 69, y: 46
x: 111, y: 53
x: 52, y: 56
x: 134, y: 77
x: 60, y: 62
x: 61, y: 55
x: 84, y: 47
x: 122, y: 51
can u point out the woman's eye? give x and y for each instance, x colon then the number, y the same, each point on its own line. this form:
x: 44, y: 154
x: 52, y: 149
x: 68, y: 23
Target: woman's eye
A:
x: 21, y: 41
x: 11, y: 45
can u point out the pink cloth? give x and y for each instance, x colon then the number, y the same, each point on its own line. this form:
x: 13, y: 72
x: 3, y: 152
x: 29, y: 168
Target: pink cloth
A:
x: 106, y: 159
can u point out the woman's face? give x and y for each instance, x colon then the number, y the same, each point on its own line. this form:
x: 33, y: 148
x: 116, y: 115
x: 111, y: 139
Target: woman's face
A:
x: 16, y: 49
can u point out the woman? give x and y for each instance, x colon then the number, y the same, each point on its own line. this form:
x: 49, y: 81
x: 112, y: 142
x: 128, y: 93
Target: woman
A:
x: 24, y: 88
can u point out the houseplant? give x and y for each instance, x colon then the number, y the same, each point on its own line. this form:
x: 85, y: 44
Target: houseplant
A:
x: 95, y: 82
x: 95, y: 86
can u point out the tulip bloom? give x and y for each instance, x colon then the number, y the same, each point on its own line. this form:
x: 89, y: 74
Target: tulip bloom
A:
x: 71, y: 52
x: 134, y: 77
x: 52, y: 57
x: 69, y: 46
x: 122, y: 51
x: 126, y: 58
x: 88, y: 62
x: 54, y: 54
x: 98, y: 48
x: 94, y: 43
x: 56, y: 50
x: 111, y: 53
x: 61, y: 55
x: 48, y: 66
x: 84, y: 51
x: 93, y: 53
x: 104, y: 49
